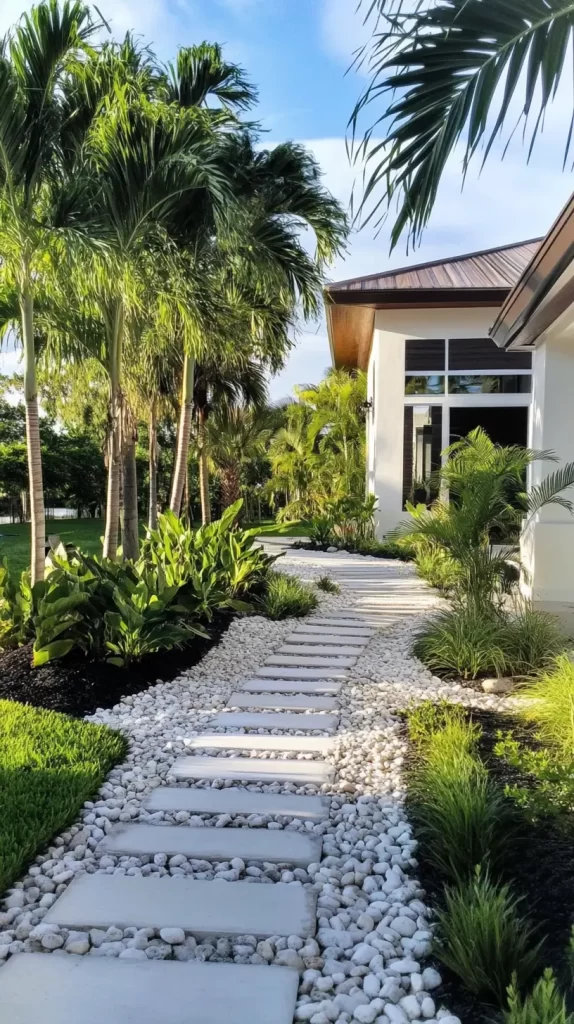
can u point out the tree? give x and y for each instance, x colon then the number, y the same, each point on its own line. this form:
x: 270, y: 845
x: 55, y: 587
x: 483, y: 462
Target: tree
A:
x: 33, y: 77
x: 235, y: 435
x: 449, y: 70
x: 219, y: 383
x: 199, y: 75
x: 138, y: 167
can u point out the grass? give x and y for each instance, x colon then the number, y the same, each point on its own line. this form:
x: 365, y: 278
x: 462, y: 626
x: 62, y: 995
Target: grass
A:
x: 483, y: 939
x: 287, y: 596
x: 86, y: 533
x: 49, y: 765
x: 462, y: 819
x: 15, y: 539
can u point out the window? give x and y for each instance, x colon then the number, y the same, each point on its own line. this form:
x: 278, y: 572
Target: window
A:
x: 421, y: 452
x: 469, y: 384
x: 431, y: 384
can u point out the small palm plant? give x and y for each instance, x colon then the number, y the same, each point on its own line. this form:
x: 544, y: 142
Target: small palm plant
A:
x: 486, y: 502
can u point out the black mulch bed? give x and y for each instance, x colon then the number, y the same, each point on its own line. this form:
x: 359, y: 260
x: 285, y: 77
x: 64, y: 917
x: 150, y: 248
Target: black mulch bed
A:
x: 541, y: 871
x: 77, y: 686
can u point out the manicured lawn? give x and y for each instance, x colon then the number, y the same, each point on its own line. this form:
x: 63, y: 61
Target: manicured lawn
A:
x: 86, y: 533
x: 49, y: 765
x: 15, y: 539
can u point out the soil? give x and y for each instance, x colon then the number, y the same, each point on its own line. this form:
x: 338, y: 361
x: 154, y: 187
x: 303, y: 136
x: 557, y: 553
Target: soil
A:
x: 77, y: 686
x: 540, y: 871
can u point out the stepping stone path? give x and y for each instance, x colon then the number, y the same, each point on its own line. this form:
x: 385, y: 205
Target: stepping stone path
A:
x: 295, y: 692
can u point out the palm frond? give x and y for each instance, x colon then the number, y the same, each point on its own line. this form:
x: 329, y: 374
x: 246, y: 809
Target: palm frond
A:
x: 549, y: 491
x: 448, y: 71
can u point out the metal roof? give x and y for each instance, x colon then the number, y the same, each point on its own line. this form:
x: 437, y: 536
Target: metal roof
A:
x: 488, y: 268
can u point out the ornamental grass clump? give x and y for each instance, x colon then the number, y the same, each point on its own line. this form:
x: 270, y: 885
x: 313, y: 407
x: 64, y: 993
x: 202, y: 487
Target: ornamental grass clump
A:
x: 327, y: 585
x: 465, y: 642
x: 550, y: 705
x: 286, y: 596
x: 461, y: 818
x: 483, y: 938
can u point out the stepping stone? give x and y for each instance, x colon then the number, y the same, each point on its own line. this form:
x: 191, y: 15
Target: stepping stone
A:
x: 332, y: 651
x: 198, y: 906
x: 301, y: 637
x: 291, y: 686
x: 341, y: 630
x: 235, y: 720
x: 64, y: 990
x: 335, y: 620
x: 302, y: 673
x: 255, y: 741
x: 237, y: 800
x: 354, y: 620
x: 300, y: 702
x: 253, y: 769
x: 258, y: 844
x: 311, y: 661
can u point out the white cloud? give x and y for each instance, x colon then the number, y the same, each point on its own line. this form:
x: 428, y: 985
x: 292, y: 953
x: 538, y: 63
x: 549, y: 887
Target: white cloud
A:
x: 343, y: 28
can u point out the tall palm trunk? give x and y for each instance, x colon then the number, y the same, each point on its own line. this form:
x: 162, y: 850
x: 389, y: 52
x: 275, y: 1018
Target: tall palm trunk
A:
x: 183, y: 434
x: 203, y: 466
x: 152, y: 513
x: 37, y: 513
x: 230, y: 486
x: 130, y: 541
x: 115, y: 435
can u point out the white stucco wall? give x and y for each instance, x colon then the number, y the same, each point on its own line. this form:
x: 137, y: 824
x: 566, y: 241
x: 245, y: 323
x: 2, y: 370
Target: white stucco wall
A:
x: 387, y: 366
x: 548, y: 540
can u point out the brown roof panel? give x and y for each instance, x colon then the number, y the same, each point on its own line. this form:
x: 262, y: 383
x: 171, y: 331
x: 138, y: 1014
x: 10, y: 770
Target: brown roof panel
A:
x: 488, y: 268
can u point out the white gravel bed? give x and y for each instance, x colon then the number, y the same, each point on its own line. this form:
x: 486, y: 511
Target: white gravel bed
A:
x: 373, y: 927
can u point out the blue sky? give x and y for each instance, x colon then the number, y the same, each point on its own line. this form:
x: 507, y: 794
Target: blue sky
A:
x: 298, y: 53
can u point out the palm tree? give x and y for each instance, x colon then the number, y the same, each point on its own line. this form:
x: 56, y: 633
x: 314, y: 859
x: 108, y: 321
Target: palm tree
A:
x: 339, y: 424
x: 139, y: 167
x: 294, y: 457
x: 33, y: 78
x: 199, y: 75
x: 450, y: 70
x: 236, y: 381
x: 235, y: 435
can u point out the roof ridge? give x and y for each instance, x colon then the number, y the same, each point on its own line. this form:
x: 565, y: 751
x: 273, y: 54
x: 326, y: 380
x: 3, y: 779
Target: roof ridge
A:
x: 433, y: 263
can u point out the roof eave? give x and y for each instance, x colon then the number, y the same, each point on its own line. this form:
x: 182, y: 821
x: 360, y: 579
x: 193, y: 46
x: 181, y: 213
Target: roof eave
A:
x: 521, y: 319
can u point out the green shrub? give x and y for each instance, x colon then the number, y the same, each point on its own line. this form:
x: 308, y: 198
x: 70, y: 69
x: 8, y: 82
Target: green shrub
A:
x: 327, y: 585
x: 429, y: 717
x: 550, y: 788
x: 436, y: 567
x: 482, y: 938
x: 49, y: 765
x: 215, y: 564
x: 321, y: 531
x: 286, y: 596
x: 550, y: 705
x: 462, y: 819
x: 544, y: 1005
x: 146, y: 620
x: 532, y: 641
x: 462, y: 642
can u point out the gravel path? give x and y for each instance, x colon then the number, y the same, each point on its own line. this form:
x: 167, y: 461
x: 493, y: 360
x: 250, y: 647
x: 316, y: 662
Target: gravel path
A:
x: 366, y: 962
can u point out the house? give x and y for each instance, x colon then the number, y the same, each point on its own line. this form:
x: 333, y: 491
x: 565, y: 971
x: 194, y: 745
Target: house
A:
x: 476, y: 340
x: 537, y: 317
